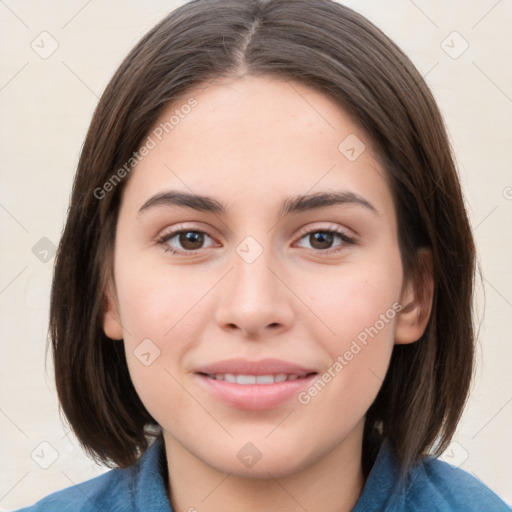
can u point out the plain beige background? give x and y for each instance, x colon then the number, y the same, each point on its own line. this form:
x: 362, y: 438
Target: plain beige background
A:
x: 57, y: 57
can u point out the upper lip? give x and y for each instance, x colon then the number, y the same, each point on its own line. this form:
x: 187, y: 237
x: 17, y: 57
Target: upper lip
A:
x: 239, y: 366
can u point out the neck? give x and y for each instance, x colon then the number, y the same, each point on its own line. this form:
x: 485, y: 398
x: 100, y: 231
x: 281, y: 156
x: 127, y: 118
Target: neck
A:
x: 331, y: 484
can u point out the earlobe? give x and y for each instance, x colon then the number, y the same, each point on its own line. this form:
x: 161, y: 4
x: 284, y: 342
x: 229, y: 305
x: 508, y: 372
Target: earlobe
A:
x: 416, y: 299
x: 111, y: 320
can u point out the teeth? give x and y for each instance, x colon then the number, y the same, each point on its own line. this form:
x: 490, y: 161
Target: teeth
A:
x: 246, y: 379
x: 254, y: 379
x: 265, y: 379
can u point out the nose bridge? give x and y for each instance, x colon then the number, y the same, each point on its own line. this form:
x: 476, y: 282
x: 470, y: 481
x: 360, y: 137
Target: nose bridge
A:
x: 253, y: 298
x: 253, y: 279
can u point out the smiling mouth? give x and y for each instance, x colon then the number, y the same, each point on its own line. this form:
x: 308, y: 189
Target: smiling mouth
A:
x: 247, y: 379
x: 254, y: 385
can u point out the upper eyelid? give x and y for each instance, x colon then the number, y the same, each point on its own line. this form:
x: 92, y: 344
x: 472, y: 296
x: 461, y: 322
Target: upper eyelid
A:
x: 173, y: 231
x: 305, y: 230
x: 330, y: 227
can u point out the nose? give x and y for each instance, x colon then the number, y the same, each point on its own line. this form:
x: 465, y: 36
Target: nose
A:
x: 254, y: 299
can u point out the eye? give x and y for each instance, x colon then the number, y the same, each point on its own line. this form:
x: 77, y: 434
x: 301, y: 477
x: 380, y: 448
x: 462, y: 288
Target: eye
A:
x: 321, y: 240
x: 187, y: 240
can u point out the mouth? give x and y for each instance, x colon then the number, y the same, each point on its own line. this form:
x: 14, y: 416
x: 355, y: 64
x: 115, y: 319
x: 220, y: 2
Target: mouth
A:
x: 247, y: 380
x: 254, y: 385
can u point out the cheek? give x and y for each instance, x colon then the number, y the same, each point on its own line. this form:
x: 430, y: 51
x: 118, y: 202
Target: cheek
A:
x: 364, y: 299
x: 154, y: 300
x: 358, y: 321
x: 149, y: 308
x: 359, y: 355
x: 162, y: 316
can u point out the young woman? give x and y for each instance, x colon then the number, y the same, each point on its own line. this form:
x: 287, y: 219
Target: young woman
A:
x: 262, y: 296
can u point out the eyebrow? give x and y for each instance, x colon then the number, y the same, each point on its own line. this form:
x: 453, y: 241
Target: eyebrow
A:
x: 298, y: 203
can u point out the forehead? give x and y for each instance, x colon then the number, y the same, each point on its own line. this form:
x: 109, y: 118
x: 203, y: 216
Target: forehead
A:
x: 253, y: 139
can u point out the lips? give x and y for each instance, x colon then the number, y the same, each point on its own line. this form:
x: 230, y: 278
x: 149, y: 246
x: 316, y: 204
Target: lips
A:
x: 254, y: 385
x: 262, y: 367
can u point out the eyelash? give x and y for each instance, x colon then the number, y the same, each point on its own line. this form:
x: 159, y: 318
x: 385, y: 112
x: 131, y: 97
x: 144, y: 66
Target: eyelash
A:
x: 347, y: 240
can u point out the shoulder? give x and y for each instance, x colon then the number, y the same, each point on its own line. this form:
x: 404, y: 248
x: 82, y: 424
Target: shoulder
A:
x: 105, y: 492
x: 430, y: 486
x: 448, y: 488
x: 117, y: 490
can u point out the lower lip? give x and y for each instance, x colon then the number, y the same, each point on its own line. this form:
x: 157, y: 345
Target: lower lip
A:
x: 255, y: 397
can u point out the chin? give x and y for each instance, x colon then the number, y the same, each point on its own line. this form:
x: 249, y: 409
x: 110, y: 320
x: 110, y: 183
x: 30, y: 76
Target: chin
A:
x: 261, y: 459
x: 271, y: 467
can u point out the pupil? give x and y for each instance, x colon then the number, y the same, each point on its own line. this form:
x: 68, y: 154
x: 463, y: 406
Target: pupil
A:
x: 190, y: 239
x: 322, y: 240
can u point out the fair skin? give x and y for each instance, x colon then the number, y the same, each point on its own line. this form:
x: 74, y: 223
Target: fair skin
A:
x: 250, y: 143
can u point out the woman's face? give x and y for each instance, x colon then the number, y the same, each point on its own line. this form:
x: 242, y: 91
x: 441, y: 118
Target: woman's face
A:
x: 260, y: 343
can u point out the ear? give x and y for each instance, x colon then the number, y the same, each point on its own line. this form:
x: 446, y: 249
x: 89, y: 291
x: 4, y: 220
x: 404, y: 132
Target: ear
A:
x: 416, y: 299
x: 111, y: 319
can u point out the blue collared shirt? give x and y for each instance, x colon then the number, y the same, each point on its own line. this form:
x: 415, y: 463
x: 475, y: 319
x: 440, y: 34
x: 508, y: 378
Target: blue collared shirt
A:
x: 432, y: 486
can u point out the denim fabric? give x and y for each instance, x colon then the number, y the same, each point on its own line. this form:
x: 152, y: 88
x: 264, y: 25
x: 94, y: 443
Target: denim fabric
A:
x: 431, y: 485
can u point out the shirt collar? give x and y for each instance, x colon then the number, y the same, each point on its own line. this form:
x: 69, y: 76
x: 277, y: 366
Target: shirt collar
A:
x: 149, y: 487
x: 380, y: 493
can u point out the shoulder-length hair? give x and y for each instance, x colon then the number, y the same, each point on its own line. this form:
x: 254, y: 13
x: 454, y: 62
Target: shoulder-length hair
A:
x: 331, y: 48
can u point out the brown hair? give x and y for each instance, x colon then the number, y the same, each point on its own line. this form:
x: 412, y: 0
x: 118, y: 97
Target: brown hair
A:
x: 333, y: 49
